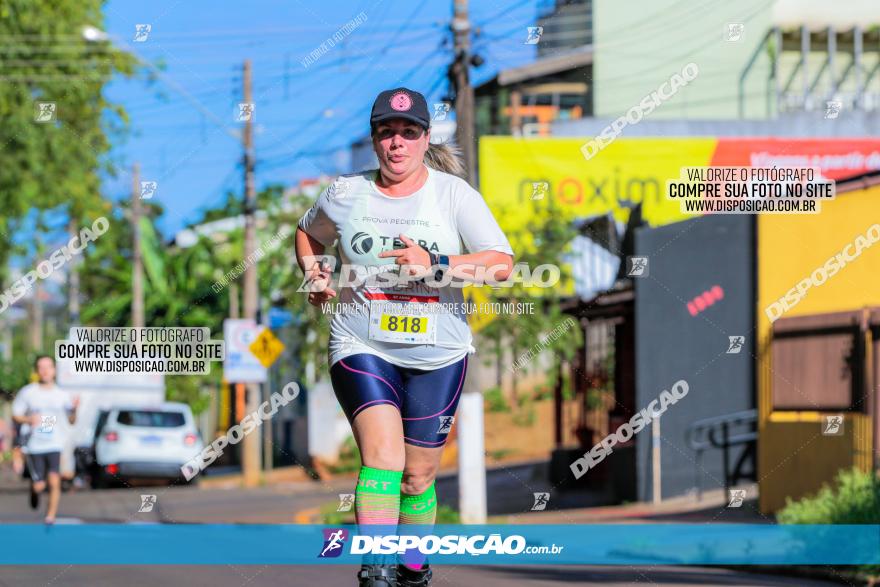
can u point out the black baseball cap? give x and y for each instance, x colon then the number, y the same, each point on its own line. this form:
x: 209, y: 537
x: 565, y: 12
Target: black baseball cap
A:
x: 401, y: 103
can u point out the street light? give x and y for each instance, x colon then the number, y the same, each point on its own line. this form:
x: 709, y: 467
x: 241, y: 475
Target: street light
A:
x: 94, y: 34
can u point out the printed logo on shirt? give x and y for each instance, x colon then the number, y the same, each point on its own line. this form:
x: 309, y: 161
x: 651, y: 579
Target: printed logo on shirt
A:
x: 361, y: 243
x: 398, y: 244
x: 407, y: 221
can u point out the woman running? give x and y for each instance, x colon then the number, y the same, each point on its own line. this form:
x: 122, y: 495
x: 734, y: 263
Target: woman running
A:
x: 398, y: 361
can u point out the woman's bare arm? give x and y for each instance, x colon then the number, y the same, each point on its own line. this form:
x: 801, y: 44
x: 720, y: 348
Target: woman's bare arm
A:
x: 498, y: 265
x: 308, y: 256
x: 482, y: 266
x: 306, y: 248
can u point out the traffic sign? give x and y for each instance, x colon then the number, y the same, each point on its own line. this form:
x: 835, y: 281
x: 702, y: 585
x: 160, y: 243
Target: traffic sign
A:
x: 241, y: 365
x: 266, y: 347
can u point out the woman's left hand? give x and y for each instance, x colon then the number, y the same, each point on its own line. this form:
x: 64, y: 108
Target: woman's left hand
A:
x: 415, y: 260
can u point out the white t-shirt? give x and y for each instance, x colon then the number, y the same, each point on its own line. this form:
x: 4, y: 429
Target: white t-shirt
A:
x: 53, y: 405
x: 446, y: 215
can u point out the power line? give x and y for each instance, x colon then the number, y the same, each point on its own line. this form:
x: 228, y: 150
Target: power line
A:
x: 358, y: 79
x: 285, y: 159
x: 504, y: 13
x: 223, y: 35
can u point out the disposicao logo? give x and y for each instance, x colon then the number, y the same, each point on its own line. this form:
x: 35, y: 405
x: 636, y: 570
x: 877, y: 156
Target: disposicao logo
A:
x: 334, y: 540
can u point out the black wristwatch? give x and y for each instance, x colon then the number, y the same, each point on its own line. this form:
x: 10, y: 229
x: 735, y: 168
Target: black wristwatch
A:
x: 437, y: 261
x: 443, y: 262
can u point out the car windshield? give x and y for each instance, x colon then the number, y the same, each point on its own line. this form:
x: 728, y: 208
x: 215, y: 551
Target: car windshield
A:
x: 151, y: 418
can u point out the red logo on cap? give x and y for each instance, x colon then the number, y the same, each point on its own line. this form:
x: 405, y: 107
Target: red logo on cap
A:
x: 401, y: 101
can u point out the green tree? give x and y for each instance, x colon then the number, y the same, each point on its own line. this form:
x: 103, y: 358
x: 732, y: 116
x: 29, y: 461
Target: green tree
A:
x: 15, y: 374
x: 56, y: 163
x: 278, y: 274
x: 177, y: 285
x: 177, y: 291
x: 545, y: 240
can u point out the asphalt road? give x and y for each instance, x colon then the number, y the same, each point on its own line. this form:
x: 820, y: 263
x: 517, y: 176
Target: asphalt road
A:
x: 339, y: 576
x: 511, y: 489
x: 279, y: 504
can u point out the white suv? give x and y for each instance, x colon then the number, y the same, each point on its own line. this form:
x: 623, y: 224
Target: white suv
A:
x: 144, y: 442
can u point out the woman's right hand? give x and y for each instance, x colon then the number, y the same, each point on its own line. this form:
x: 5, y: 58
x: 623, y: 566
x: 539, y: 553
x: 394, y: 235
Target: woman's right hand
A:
x: 319, y: 284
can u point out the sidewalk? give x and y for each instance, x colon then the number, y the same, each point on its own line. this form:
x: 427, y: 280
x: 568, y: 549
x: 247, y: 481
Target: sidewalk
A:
x: 277, y: 476
x: 295, y: 483
x: 713, y: 508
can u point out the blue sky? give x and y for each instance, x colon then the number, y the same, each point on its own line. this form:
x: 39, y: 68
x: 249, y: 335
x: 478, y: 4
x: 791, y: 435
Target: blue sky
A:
x: 303, y: 114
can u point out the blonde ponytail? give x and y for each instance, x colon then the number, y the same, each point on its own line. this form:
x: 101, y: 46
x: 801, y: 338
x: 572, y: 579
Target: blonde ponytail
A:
x: 445, y: 157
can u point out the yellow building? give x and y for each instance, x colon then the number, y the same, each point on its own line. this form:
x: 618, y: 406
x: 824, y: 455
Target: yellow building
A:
x: 818, y: 327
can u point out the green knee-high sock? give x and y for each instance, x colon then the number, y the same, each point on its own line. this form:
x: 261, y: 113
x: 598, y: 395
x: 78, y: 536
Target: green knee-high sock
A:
x: 377, y: 497
x: 377, y: 502
x: 418, y: 509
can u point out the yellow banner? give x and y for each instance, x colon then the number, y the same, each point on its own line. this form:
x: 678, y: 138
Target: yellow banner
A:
x: 624, y: 173
x: 524, y: 180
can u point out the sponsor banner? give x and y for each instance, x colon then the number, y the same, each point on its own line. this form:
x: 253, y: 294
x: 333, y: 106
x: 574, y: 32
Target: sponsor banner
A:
x: 836, y: 158
x: 532, y: 544
x: 630, y: 171
x: 521, y: 178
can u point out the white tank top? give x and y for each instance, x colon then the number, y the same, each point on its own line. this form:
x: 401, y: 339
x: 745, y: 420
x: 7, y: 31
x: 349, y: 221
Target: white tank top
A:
x: 447, y: 217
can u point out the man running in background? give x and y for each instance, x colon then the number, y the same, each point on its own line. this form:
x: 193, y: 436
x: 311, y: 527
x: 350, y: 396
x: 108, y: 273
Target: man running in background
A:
x: 43, y: 406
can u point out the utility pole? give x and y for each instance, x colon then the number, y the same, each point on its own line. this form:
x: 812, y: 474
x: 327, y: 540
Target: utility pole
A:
x: 73, y: 277
x: 464, y: 93
x: 36, y: 313
x: 250, y: 457
x: 471, y: 458
x: 270, y: 380
x: 137, y: 269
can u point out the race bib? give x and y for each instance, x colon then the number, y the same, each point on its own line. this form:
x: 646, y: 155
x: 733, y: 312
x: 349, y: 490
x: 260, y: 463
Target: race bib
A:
x: 403, y: 319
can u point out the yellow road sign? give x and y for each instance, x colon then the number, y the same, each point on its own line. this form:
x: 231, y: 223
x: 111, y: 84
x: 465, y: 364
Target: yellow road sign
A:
x: 266, y: 347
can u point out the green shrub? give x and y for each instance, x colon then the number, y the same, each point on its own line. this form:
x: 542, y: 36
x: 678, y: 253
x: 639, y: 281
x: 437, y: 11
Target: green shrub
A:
x: 525, y: 417
x: 567, y: 386
x: 331, y: 517
x: 447, y: 515
x: 495, y: 400
x: 500, y: 453
x: 854, y: 500
x: 595, y: 399
x: 543, y: 393
x: 15, y: 374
